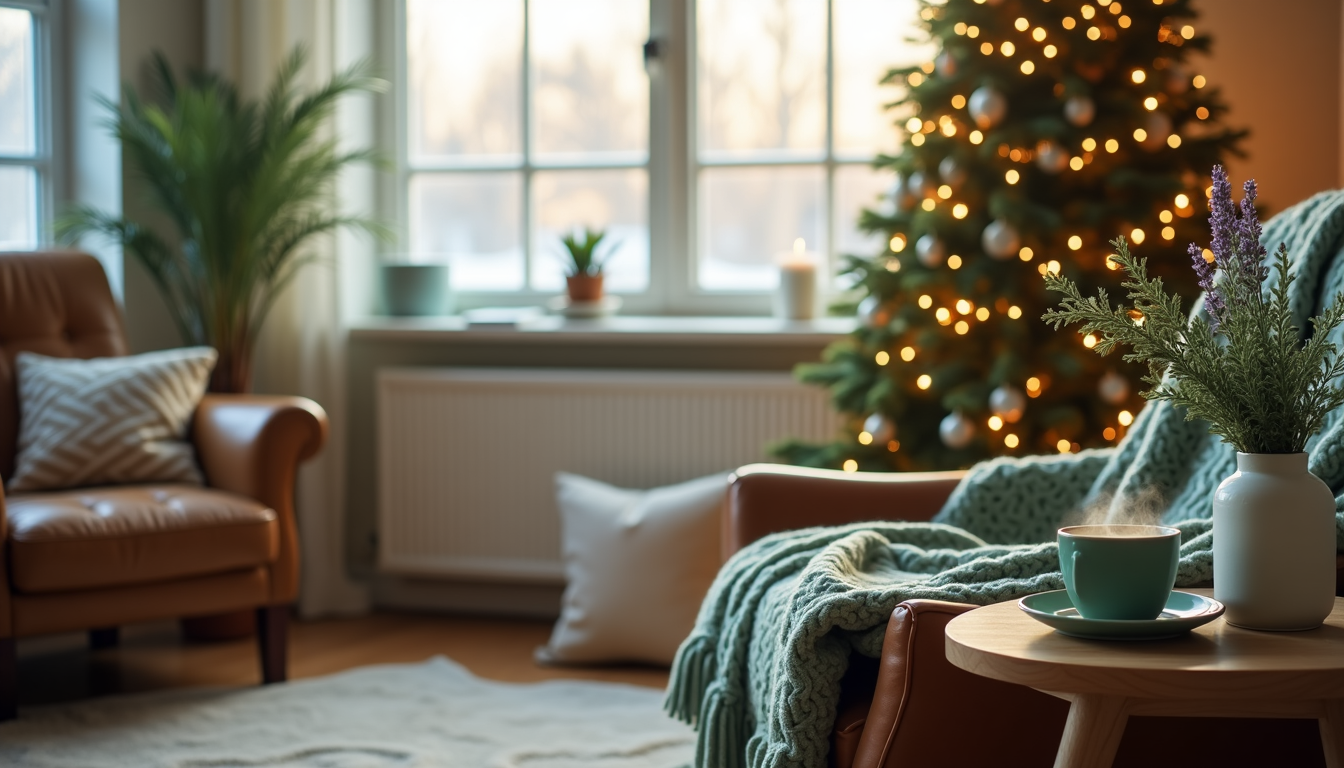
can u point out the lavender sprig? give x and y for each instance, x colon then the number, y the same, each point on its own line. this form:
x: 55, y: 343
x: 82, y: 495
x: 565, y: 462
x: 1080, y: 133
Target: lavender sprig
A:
x: 1213, y: 301
x: 1238, y: 254
x: 1254, y: 270
x: 1222, y: 218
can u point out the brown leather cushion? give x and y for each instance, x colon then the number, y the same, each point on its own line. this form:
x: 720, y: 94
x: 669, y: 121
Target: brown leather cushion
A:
x: 104, y: 537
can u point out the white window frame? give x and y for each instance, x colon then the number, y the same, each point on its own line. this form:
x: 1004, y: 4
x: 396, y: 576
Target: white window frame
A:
x: 42, y: 160
x: 673, y: 166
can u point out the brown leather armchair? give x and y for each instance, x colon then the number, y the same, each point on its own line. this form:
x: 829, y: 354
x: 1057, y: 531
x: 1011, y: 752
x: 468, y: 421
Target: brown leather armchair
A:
x: 912, y: 709
x: 95, y: 558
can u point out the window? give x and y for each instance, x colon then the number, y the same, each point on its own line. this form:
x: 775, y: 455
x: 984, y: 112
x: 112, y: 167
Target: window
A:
x: 24, y: 144
x: 754, y: 123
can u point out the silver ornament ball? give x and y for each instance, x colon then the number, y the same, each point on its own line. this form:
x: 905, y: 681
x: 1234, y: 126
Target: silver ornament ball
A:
x: 872, y: 313
x: 930, y: 250
x: 1113, y: 388
x: 951, y: 172
x: 956, y: 431
x: 987, y: 106
x: 945, y: 64
x: 1000, y: 240
x: 880, y: 427
x: 919, y: 186
x: 901, y: 198
x: 1008, y: 403
x: 1178, y: 80
x: 1051, y: 157
x: 1158, y: 127
x: 1080, y: 110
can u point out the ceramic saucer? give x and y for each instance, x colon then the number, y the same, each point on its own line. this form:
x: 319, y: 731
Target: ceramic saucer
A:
x: 1184, y: 611
x: 607, y: 305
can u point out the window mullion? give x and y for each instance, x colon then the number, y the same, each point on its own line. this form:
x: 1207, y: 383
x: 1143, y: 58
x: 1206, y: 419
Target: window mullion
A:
x: 526, y: 112
x: 669, y: 248
x: 400, y: 196
x: 41, y: 145
x: 829, y: 254
x: 686, y: 284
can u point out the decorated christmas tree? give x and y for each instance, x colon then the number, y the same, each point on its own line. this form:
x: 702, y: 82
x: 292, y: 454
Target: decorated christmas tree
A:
x: 1041, y: 130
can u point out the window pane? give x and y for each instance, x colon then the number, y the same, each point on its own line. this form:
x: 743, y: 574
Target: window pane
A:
x: 616, y: 201
x: 762, y: 76
x: 17, y: 111
x: 857, y: 187
x: 475, y: 221
x: 590, y: 93
x: 464, y: 67
x: 748, y: 215
x: 869, y: 40
x: 18, y: 209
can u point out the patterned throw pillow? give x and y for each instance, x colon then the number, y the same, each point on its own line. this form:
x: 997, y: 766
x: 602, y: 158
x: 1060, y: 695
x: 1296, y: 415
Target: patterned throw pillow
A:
x: 109, y: 420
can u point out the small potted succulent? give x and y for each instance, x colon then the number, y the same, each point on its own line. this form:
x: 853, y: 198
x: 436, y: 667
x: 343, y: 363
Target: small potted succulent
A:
x: 584, y: 271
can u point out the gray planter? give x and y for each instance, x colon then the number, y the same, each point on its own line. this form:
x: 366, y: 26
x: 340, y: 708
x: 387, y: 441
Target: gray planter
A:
x: 411, y: 290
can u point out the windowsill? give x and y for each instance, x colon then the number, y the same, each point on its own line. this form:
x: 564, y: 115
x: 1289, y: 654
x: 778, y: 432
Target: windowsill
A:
x: 618, y: 329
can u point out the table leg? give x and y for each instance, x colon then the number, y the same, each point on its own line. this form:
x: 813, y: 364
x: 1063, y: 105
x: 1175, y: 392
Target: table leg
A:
x: 1332, y: 733
x: 1092, y: 732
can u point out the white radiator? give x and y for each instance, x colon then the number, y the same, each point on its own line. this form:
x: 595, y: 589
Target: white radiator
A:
x: 467, y: 455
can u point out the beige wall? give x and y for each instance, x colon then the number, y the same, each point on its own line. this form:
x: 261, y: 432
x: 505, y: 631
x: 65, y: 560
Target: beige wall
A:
x: 1279, y: 66
x: 173, y: 27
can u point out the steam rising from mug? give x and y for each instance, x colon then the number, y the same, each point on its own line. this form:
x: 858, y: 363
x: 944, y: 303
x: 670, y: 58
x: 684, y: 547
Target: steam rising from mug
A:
x: 1142, y: 507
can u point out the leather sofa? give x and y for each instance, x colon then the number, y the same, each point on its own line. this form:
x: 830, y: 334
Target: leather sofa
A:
x: 96, y: 558
x: 912, y: 709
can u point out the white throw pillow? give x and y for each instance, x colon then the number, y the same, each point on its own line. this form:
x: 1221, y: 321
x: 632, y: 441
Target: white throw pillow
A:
x: 108, y: 420
x: 639, y: 563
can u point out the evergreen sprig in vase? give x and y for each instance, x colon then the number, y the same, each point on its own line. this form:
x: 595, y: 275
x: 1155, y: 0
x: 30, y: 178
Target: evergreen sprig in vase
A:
x: 1242, y: 366
x: 247, y: 184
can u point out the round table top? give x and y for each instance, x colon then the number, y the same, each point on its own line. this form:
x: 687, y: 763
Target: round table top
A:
x: 1002, y: 642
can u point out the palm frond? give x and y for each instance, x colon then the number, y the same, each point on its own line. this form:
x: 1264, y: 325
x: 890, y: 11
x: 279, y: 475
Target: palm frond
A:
x: 247, y: 184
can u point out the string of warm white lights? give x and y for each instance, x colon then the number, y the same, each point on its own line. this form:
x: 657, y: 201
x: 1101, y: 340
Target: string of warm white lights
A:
x: 1036, y: 134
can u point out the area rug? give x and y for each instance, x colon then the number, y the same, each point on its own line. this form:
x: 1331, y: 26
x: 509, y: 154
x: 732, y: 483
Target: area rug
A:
x: 430, y: 715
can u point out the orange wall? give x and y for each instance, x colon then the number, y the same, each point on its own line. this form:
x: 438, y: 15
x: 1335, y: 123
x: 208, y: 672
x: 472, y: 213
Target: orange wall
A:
x: 1279, y: 65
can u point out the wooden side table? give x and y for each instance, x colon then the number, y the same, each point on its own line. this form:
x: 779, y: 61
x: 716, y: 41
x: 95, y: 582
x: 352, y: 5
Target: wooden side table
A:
x: 1218, y: 670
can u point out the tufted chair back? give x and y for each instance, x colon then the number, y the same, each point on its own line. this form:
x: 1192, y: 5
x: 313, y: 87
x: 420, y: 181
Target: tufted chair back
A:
x: 55, y: 303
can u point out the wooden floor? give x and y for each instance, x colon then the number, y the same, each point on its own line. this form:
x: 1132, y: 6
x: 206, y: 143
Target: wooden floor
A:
x: 153, y: 657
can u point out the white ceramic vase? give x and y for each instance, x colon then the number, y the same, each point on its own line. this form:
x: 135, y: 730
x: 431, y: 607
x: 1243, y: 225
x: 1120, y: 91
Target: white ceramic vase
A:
x: 1274, y: 544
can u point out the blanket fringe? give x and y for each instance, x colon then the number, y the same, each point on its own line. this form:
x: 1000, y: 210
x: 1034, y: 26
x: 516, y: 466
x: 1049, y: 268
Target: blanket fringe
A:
x: 694, y: 668
x: 723, y: 720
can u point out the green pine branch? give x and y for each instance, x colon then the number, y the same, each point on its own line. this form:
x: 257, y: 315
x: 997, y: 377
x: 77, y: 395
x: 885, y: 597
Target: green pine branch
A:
x: 1258, y: 386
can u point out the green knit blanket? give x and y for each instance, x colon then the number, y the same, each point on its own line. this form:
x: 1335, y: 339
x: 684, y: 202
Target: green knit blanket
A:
x: 759, y: 677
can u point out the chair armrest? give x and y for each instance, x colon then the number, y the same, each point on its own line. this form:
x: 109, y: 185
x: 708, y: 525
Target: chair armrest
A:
x: 252, y: 445
x: 767, y: 498
x: 922, y: 702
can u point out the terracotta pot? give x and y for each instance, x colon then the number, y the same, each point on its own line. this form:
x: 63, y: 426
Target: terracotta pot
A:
x: 584, y: 287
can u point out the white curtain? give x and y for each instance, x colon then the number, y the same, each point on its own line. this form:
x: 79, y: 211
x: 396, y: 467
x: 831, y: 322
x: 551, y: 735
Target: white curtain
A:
x: 302, y: 349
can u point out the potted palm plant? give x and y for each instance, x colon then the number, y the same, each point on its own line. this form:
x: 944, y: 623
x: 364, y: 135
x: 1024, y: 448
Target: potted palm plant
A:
x: 584, y: 271
x: 246, y: 184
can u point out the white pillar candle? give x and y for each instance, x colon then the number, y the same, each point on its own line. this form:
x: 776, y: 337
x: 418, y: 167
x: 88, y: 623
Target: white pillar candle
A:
x: 796, y: 298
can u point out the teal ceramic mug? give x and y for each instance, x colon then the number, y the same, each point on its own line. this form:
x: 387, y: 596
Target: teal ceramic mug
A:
x: 1119, y: 572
